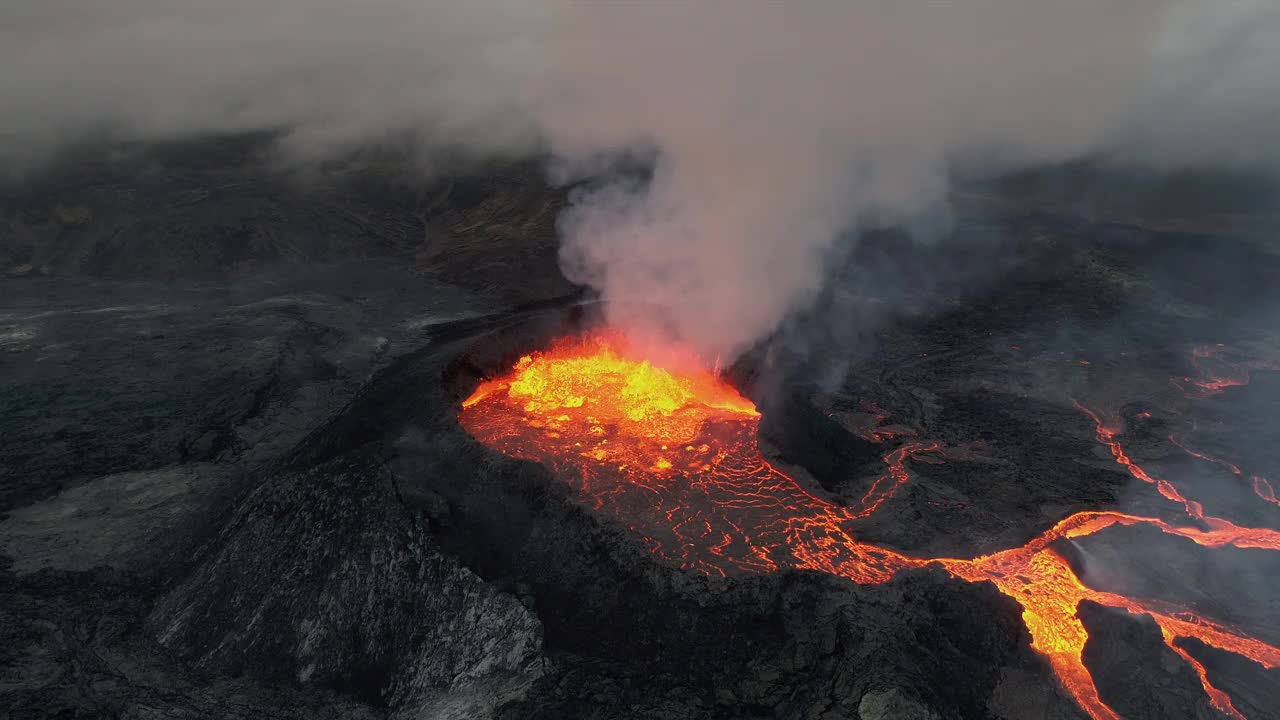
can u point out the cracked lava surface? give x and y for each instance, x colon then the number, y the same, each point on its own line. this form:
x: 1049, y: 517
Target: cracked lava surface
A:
x: 673, y: 456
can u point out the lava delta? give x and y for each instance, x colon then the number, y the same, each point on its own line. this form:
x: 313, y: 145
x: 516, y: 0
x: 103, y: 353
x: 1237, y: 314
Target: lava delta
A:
x: 672, y: 455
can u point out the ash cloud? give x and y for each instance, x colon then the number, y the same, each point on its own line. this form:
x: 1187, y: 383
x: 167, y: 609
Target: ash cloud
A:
x: 773, y: 129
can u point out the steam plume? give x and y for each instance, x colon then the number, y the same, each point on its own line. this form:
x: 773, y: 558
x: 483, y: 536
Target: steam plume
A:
x: 775, y: 127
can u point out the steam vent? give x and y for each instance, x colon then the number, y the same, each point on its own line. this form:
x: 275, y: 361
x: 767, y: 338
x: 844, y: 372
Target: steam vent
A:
x: 546, y: 360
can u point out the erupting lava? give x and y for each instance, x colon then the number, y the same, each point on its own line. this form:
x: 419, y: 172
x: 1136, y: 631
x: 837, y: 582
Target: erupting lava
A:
x: 673, y: 455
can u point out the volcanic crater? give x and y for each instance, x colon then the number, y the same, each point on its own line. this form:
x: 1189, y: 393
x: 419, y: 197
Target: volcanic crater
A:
x: 735, y: 578
x: 1047, y: 494
x: 633, y: 513
x: 673, y: 456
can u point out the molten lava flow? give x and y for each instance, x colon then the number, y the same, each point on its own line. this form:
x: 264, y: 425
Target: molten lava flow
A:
x: 673, y: 455
x: 1235, y: 376
x: 1049, y: 592
x: 896, y: 475
x: 1218, y: 374
x: 1261, y: 486
x: 1106, y: 435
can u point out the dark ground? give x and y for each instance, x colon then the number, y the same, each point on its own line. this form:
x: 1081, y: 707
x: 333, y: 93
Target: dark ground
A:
x: 233, y: 484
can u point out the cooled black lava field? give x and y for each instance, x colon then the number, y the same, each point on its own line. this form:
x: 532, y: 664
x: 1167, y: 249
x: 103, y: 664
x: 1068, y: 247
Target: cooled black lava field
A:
x: 1029, y: 470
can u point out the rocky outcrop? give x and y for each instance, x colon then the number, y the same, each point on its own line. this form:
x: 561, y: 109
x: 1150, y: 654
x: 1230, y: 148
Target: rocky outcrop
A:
x: 324, y: 578
x: 892, y: 704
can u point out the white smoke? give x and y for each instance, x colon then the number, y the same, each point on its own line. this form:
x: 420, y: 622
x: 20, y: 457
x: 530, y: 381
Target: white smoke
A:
x: 780, y: 125
x: 776, y: 126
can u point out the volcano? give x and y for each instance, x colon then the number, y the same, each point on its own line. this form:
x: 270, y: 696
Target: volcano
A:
x: 673, y: 456
x: 1041, y: 484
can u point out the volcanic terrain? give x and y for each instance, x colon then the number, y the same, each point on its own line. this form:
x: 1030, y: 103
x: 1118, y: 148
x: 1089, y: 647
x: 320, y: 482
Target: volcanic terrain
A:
x: 355, y: 453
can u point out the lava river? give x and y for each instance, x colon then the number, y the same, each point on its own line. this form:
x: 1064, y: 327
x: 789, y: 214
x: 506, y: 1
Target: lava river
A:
x: 673, y: 456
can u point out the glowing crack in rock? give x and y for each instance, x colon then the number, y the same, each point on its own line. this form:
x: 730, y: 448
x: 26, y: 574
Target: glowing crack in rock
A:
x: 673, y: 456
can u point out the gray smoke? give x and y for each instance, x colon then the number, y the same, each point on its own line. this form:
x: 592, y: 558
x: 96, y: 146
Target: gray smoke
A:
x: 775, y: 127
x: 331, y: 73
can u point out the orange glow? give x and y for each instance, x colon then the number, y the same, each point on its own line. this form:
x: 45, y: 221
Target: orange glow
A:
x: 1261, y: 486
x: 1218, y: 374
x: 673, y: 457
x: 1107, y: 436
x: 588, y: 399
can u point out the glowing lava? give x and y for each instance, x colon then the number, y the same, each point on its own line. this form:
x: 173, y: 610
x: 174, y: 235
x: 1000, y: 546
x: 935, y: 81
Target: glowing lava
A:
x: 1218, y: 374
x: 673, y: 456
x: 1226, y: 375
x: 1261, y: 486
x: 589, y: 385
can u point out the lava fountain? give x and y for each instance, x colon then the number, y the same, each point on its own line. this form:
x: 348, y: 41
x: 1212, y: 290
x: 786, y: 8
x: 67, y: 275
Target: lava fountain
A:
x: 673, y: 456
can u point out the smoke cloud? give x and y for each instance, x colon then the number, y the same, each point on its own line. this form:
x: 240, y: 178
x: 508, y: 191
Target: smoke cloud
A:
x: 773, y: 128
x: 330, y: 73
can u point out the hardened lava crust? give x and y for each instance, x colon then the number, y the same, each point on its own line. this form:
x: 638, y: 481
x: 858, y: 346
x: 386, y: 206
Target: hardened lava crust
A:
x: 377, y: 559
x: 394, y: 499
x: 492, y: 584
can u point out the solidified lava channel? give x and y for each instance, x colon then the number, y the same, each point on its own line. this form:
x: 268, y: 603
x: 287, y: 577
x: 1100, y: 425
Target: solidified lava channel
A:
x: 673, y: 456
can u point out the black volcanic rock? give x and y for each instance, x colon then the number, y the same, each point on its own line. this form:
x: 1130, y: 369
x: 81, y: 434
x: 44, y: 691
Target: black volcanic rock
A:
x: 802, y: 435
x: 1230, y: 584
x: 121, y: 376
x: 1135, y: 672
x: 620, y: 629
x: 224, y: 205
x: 234, y: 483
x: 362, y: 601
x: 74, y: 647
x: 1254, y: 690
